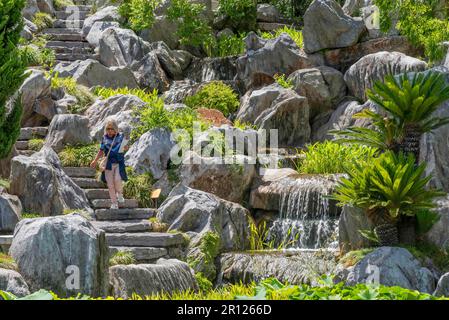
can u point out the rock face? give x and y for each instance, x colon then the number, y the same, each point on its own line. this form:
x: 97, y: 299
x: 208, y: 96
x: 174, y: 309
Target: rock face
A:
x: 267, y: 13
x: 149, y: 73
x: 392, y: 266
x: 326, y: 26
x: 92, y: 73
x: 211, y: 174
x: 351, y: 221
x: 10, y: 212
x: 442, y: 286
x: 109, y: 13
x: 201, y: 213
x: 362, y: 75
x: 265, y: 58
x: 166, y: 276
x: 119, y: 107
x: 438, y: 234
x: 12, y: 282
x: 212, y: 68
x: 323, y: 87
x: 68, y: 129
x: 295, y: 268
x: 42, y: 185
x: 162, y: 30
x: 94, y: 35
x: 151, y: 152
x: 351, y: 7
x: 67, y: 255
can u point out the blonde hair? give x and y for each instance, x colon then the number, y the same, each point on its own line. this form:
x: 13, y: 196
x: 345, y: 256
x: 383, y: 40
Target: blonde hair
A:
x: 111, y: 124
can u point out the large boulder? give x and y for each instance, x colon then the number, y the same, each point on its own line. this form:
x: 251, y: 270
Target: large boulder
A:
x: 66, y: 255
x: 165, y: 276
x: 174, y: 62
x: 10, y: 212
x: 151, y: 153
x: 202, y: 214
x: 46, y: 6
x: 326, y: 26
x: 227, y: 178
x: 109, y: 13
x: 149, y: 73
x: 121, y: 47
x: 323, y: 87
x: 442, y: 286
x: 392, y: 266
x: 362, y: 75
x: 352, y: 7
x: 94, y: 35
x: 162, y: 30
x: 11, y: 281
x: 42, y: 185
x: 120, y: 107
x: 267, y: 13
x: 67, y: 129
x: 353, y: 220
x: 30, y: 9
x: 265, y: 58
x: 91, y: 73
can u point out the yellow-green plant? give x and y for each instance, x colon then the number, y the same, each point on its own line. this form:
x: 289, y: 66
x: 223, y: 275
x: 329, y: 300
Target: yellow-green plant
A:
x: 78, y: 156
x: 295, y: 34
x: 122, y: 258
x: 35, y: 144
x: 43, y: 20
x: 282, y: 81
x: 139, y: 187
x: 139, y: 14
x: 148, y: 97
x: 7, y: 262
x: 61, y: 4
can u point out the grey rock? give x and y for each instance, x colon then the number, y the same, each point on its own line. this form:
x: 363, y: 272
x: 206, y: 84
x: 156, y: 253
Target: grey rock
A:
x: 210, y: 69
x: 10, y: 212
x: 352, y: 7
x: 351, y: 221
x: 179, y: 90
x: 392, y: 266
x: 149, y: 73
x: 362, y: 75
x: 442, y: 286
x: 326, y: 26
x: 119, y: 106
x: 109, y: 13
x: 166, y: 276
x: 68, y: 129
x: 42, y: 185
x: 265, y: 58
x: 151, y: 152
x: 438, y: 233
x: 162, y: 30
x: 267, y: 13
x: 30, y: 9
x: 12, y: 282
x: 172, y: 61
x: 46, y: 6
x: 50, y: 251
x: 94, y: 35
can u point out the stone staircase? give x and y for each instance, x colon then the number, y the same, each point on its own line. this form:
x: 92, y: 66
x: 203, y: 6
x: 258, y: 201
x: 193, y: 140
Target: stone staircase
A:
x: 66, y: 38
x: 127, y: 228
x: 27, y: 134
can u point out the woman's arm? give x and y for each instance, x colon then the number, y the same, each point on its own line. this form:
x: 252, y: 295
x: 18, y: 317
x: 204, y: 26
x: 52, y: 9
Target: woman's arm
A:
x: 99, y: 155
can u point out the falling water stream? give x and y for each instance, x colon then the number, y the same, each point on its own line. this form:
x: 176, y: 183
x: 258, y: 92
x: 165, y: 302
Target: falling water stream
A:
x: 307, y: 218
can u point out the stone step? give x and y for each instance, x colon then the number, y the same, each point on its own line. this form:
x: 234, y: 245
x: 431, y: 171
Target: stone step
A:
x: 80, y: 7
x: 26, y: 152
x: 125, y: 214
x: 6, y: 240
x: 89, y: 183
x: 72, y: 50
x: 71, y: 15
x: 123, y: 226
x: 29, y: 133
x: 92, y: 194
x: 106, y: 203
x: 80, y: 172
x: 67, y: 44
x: 68, y: 24
x: 21, y: 145
x: 66, y: 37
x: 147, y: 239
x: 52, y: 31
x: 73, y: 56
x: 142, y: 254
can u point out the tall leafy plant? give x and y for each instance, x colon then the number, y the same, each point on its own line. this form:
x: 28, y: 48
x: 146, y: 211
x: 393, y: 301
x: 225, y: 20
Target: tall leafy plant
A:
x: 139, y: 14
x: 12, y: 73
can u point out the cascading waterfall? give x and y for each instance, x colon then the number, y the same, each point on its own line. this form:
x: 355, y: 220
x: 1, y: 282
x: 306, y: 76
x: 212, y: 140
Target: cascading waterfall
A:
x: 307, y: 217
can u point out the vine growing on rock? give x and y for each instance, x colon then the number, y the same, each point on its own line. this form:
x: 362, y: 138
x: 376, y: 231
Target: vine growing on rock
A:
x: 12, y: 73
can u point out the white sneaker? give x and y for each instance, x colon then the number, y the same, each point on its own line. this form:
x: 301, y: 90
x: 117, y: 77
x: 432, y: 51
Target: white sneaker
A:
x: 120, y: 198
x: 114, y: 206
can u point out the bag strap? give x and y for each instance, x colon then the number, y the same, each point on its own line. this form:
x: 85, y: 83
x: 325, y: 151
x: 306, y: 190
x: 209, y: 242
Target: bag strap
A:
x: 107, y: 157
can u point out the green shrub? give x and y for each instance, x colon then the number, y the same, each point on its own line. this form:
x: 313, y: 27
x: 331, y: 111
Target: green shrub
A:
x: 122, y: 258
x: 35, y: 144
x: 78, y: 156
x: 330, y: 157
x: 295, y: 34
x: 138, y: 14
x: 83, y: 95
x: 36, y: 56
x: 209, y: 249
x: 215, y: 95
x: 6, y: 262
x: 192, y: 29
x: 242, y: 14
x: 31, y: 215
x: 61, y: 4
x: 283, y: 82
x: 423, y: 251
x: 43, y: 21
x: 148, y: 97
x: 203, y: 283
x: 230, y: 45
x: 139, y: 187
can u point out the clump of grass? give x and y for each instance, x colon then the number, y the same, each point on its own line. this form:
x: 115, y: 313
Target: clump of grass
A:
x: 157, y: 225
x: 36, y: 144
x: 353, y: 257
x: 244, y: 125
x: 43, y: 21
x: 61, y: 4
x: 330, y: 157
x: 296, y: 35
x: 230, y: 45
x: 7, y: 262
x: 282, y: 81
x: 148, y: 97
x: 423, y: 250
x: 139, y: 187
x: 27, y: 215
x: 4, y: 183
x: 122, y: 258
x: 78, y: 156
x: 38, y: 56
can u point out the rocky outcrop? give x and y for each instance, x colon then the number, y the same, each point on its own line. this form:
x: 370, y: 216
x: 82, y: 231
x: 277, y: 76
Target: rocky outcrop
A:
x: 95, y: 32
x: 362, y: 75
x: 212, y: 68
x: 221, y: 225
x: 151, y: 153
x: 351, y: 7
x: 109, y: 13
x: 392, y: 266
x: 267, y: 13
x: 66, y: 255
x: 326, y: 26
x: 166, y: 276
x: 149, y: 73
x: 42, y: 185
x: 438, y: 234
x: 352, y: 221
x: 68, y: 129
x: 442, y: 286
x: 173, y: 62
x: 10, y: 212
x: 11, y: 281
x: 265, y: 58
x: 119, y: 106
x: 162, y: 30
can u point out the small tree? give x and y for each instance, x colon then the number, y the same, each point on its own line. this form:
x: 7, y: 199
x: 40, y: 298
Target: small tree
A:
x: 12, y: 73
